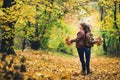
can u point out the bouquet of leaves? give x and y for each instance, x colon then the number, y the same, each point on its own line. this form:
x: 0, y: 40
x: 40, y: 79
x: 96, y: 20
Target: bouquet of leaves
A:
x: 99, y: 41
x: 67, y: 41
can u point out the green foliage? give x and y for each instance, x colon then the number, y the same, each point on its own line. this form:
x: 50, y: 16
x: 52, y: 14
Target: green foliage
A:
x: 49, y: 22
x: 111, y: 25
x: 57, y: 38
x: 48, y: 15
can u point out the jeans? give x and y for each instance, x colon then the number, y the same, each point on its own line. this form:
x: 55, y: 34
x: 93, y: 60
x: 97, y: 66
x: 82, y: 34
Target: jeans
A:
x: 87, y: 52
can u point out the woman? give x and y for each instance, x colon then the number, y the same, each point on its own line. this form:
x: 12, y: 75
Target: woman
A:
x: 82, y: 49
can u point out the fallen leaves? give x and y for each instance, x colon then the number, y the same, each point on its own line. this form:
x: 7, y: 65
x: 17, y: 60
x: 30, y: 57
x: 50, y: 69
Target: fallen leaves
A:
x: 42, y: 66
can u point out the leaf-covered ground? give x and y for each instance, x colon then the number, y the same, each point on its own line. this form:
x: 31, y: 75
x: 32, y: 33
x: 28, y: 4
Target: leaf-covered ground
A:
x: 47, y: 66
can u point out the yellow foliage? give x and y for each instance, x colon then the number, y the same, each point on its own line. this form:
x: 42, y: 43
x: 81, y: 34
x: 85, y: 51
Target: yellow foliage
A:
x: 1, y: 2
x: 20, y: 9
x: 7, y: 28
x: 48, y: 9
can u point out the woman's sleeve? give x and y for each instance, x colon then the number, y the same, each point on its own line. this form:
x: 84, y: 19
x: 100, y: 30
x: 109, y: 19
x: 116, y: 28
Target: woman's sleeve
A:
x: 93, y: 40
x: 79, y: 36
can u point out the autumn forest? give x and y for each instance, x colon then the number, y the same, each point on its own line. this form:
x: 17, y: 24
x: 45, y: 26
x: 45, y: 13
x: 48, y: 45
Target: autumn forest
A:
x: 33, y: 33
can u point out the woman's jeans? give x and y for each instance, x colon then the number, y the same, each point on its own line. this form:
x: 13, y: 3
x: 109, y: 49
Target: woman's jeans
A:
x: 87, y: 52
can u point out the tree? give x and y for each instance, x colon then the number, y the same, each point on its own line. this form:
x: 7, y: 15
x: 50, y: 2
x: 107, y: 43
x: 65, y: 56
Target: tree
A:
x: 102, y: 15
x: 8, y: 31
x: 115, y: 14
x: 110, y: 25
x: 48, y: 15
x: 12, y: 13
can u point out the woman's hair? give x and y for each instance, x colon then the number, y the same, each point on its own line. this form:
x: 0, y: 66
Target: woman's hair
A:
x: 85, y: 27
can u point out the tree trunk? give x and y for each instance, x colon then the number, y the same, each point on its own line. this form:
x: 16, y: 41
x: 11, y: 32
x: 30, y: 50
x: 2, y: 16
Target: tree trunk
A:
x: 23, y: 44
x: 103, y: 36
x: 119, y: 33
x: 104, y: 44
x: 35, y: 44
x: 24, y: 39
x: 7, y: 3
x: 119, y: 8
x: 7, y: 43
x: 115, y: 22
x: 101, y: 11
x: 115, y: 15
x: 119, y: 46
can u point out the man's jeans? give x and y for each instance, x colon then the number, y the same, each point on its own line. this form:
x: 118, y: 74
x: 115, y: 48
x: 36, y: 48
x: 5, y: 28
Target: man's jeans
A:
x: 87, y: 52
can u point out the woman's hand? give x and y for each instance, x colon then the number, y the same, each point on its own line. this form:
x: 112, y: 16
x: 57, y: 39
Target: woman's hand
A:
x: 68, y: 41
x: 99, y: 41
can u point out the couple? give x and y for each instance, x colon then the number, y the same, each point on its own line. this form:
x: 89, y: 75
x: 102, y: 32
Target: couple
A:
x: 82, y: 47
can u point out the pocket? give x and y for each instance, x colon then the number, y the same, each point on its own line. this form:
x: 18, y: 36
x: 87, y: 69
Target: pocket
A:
x: 88, y: 49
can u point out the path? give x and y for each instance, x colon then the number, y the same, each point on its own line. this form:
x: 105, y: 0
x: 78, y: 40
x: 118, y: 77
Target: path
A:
x: 47, y: 66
